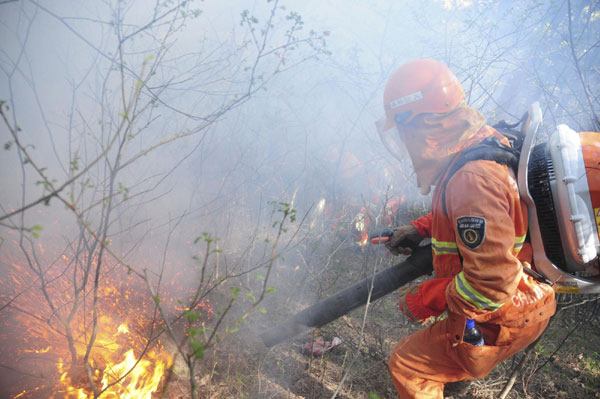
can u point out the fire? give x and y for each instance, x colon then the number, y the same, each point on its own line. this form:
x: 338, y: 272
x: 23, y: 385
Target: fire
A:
x: 44, y: 350
x: 132, y: 378
x: 140, y: 381
x: 123, y: 329
x: 118, y: 372
x: 127, y: 358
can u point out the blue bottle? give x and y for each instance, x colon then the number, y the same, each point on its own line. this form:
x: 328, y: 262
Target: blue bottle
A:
x: 472, y: 334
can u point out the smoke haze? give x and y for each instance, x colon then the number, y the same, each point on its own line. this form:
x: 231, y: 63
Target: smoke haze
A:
x: 150, y: 123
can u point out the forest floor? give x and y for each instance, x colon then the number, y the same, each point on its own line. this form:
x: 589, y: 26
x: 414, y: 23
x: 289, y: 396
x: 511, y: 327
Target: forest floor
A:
x: 565, y: 363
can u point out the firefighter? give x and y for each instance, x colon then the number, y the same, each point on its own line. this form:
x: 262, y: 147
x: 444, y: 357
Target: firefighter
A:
x: 351, y: 187
x: 477, y: 227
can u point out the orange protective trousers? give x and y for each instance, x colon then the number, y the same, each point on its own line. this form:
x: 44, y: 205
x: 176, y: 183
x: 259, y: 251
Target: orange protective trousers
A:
x: 422, y: 362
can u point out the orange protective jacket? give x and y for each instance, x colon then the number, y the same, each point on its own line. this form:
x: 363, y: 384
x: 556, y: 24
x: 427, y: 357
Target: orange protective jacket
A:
x: 478, y: 249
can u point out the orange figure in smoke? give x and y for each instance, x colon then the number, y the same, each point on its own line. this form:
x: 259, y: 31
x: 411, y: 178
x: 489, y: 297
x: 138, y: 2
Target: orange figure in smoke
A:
x: 477, y: 238
x: 354, y: 206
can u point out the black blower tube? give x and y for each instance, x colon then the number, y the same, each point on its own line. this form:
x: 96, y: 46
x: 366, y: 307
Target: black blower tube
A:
x: 418, y: 264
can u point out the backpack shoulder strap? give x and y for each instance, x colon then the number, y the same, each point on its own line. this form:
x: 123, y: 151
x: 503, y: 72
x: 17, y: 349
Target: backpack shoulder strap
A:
x: 490, y: 149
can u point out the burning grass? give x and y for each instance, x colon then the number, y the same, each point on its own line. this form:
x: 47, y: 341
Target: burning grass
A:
x: 57, y: 335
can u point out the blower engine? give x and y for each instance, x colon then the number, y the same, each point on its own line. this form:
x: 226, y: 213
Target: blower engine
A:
x: 559, y: 180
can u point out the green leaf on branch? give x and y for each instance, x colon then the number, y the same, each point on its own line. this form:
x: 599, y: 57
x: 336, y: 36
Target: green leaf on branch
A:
x: 231, y: 330
x: 35, y: 231
x: 191, y: 316
x: 198, y: 347
x: 124, y: 191
x: 193, y: 332
x: 251, y: 295
x: 206, y: 237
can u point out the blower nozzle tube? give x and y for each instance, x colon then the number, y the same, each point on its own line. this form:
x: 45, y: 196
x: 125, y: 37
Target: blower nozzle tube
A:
x: 339, y: 304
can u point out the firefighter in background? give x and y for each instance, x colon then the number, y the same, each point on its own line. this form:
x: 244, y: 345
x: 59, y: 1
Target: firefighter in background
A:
x: 348, y: 179
x: 477, y: 238
x: 354, y: 205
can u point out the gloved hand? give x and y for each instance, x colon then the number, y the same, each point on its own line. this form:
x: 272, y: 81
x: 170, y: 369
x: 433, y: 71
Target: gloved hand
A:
x: 404, y: 236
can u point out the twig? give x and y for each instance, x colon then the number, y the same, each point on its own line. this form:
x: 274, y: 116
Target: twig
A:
x: 586, y: 90
x: 529, y: 349
x: 518, y: 368
x: 360, y: 337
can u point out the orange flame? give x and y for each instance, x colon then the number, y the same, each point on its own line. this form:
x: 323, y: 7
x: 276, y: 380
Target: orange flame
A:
x: 131, y: 378
x: 34, y: 339
x: 122, y: 363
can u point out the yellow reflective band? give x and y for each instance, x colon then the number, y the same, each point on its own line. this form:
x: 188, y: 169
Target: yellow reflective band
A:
x: 519, y: 244
x: 597, y: 213
x: 444, y: 247
x: 364, y: 242
x: 520, y: 240
x: 472, y: 296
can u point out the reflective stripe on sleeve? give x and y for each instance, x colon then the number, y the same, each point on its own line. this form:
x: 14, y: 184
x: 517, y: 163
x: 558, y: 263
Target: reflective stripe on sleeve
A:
x: 519, y: 243
x: 472, y: 296
x: 444, y: 247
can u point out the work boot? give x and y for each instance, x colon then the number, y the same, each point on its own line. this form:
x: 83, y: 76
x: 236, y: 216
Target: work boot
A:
x: 456, y: 388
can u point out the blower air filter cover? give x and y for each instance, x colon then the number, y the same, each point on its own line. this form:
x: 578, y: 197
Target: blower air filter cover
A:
x: 571, y: 192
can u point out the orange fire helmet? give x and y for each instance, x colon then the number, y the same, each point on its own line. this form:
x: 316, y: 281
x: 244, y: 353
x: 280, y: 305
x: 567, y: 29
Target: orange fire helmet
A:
x: 349, y: 165
x: 417, y: 87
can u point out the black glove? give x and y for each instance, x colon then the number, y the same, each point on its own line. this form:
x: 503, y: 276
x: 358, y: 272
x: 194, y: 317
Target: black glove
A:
x: 403, y: 239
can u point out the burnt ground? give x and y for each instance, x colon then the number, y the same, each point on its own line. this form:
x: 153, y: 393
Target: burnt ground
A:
x: 565, y: 363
